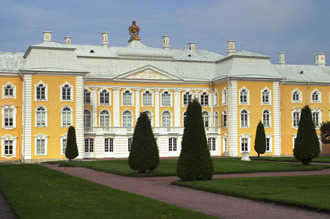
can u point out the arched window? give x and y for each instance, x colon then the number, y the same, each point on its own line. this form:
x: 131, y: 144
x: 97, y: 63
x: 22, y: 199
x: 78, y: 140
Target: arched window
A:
x: 104, y: 119
x: 244, y: 96
x: 104, y: 97
x: 296, y: 119
x: 205, y: 116
x: 265, y: 96
x: 166, y: 119
x: 296, y: 96
x: 87, y: 119
x: 266, y: 118
x: 224, y: 97
x: 187, y: 98
x: 216, y: 98
x: 9, y: 90
x: 166, y: 99
x: 87, y: 96
x: 244, y: 119
x: 204, y: 99
x: 216, y: 119
x: 147, y: 98
x: 41, y: 117
x: 66, y: 116
x: 127, y: 98
x: 316, y: 97
x: 41, y: 92
x: 66, y: 92
x: 127, y: 119
x: 224, y: 119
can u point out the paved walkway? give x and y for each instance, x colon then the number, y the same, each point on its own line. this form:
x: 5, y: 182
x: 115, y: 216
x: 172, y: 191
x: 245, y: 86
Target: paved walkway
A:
x: 5, y: 211
x: 159, y: 188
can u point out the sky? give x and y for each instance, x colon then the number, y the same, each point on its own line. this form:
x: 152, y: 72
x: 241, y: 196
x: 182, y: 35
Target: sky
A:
x: 301, y: 28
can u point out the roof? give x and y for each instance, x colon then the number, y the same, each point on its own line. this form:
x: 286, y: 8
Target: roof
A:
x: 11, y: 61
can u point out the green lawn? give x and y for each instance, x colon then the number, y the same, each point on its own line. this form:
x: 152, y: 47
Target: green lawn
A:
x: 305, y: 191
x: 292, y: 159
x: 34, y: 191
x: 221, y: 166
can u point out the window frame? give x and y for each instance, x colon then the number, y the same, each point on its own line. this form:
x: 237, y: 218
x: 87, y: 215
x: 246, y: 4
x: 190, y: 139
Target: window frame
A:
x: 247, y: 125
x: 8, y: 137
x: 126, y: 119
x: 172, y: 144
x: 41, y: 138
x: 169, y: 122
x: 299, y: 93
x: 247, y: 101
x: 212, y: 144
x: 109, y: 145
x: 150, y: 95
x: 13, y: 87
x: 248, y: 138
x: 87, y: 91
x: 319, y: 96
x: 185, y: 95
x: 269, y: 96
x: 36, y: 86
x: 123, y: 96
x: 63, y: 137
x: 13, y: 108
x: 204, y: 98
x: 224, y: 97
x: 106, y: 98
x: 170, y: 99
x: 62, y: 117
x: 224, y: 119
x: 45, y: 112
x: 104, y: 119
x: 295, y: 124
x: 269, y: 125
x: 71, y: 92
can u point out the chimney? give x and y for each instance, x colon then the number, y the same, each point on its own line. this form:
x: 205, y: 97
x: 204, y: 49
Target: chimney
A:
x: 282, y: 58
x: 166, y: 42
x: 320, y: 59
x: 192, y: 46
x: 105, y: 42
x: 67, y: 40
x: 231, y: 47
x: 47, y: 36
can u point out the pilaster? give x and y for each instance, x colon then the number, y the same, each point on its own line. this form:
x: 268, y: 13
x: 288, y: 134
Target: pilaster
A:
x: 157, y: 107
x: 27, y: 125
x: 94, y: 104
x: 80, y: 115
x: 137, y: 103
x: 277, y: 118
x: 116, y: 106
x: 232, y: 119
x: 177, y: 105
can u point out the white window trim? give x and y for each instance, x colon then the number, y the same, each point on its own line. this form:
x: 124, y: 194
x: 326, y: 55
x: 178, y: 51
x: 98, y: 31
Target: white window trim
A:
x: 71, y: 93
x: 7, y: 106
x: 269, y: 97
x: 247, y: 98
x: 90, y: 95
x: 292, y: 118
x: 224, y: 139
x: 177, y: 145
x: 215, y: 143
x: 224, y: 98
x: 249, y: 142
x: 192, y: 97
x: 36, y: 116
x: 132, y: 97
x: 8, y: 138
x: 122, y: 118
x: 222, y: 113
x: 240, y: 119
x: 320, y: 117
x: 91, y: 118
x: 216, y: 97
x: 64, y: 136
x: 99, y: 97
x: 293, y: 137
x: 161, y: 119
x: 208, y: 119
x: 270, y: 118
x: 208, y: 97
x: 270, y: 143
x: 113, y: 144
x: 46, y: 91
x: 109, y: 113
x: 71, y: 122
x: 3, y: 91
x: 152, y: 98
x: 171, y: 98
x: 320, y: 96
x: 37, y: 137
x: 300, y: 96
x: 216, y: 122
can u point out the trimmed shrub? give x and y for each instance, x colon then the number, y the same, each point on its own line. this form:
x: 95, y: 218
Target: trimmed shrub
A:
x: 260, y: 141
x: 306, y: 146
x: 144, y: 154
x: 195, y: 162
x: 71, y: 151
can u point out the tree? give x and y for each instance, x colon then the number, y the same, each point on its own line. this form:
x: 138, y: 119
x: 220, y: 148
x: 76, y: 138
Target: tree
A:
x: 144, y: 154
x: 260, y: 141
x: 195, y: 162
x: 325, y: 132
x: 306, y: 146
x: 71, y: 151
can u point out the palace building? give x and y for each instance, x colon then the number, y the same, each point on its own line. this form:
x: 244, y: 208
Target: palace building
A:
x: 102, y: 89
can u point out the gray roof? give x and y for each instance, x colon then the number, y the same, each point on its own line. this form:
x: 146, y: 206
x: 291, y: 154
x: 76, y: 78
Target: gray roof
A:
x: 11, y: 61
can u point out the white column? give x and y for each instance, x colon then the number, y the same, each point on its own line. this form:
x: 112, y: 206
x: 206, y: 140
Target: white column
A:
x: 94, y: 104
x: 137, y: 103
x: 27, y: 127
x: 116, y: 106
x: 232, y: 119
x: 277, y: 118
x: 80, y: 115
x: 157, y: 107
x: 177, y: 106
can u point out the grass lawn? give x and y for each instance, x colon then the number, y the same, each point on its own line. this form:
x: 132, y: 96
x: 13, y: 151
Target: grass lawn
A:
x: 221, y: 166
x: 34, y: 191
x: 305, y: 191
x: 292, y: 159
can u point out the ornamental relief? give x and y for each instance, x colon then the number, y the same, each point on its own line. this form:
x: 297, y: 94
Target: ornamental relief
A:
x: 148, y: 74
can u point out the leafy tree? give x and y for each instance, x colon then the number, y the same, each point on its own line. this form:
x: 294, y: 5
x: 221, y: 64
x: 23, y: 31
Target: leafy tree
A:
x: 260, y: 141
x: 144, y: 154
x: 306, y: 146
x: 71, y: 151
x: 195, y: 162
x: 325, y: 132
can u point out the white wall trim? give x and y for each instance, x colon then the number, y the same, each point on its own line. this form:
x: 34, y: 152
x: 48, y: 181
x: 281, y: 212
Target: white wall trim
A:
x: 3, y: 91
x: 46, y: 91
x: 8, y: 137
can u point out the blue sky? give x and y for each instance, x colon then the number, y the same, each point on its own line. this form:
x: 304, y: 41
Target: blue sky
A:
x: 301, y: 28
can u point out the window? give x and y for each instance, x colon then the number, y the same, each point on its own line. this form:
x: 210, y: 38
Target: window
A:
x: 9, y: 118
x: 9, y: 91
x: 127, y: 119
x: 87, y: 119
x: 296, y: 119
x: 64, y: 143
x: 127, y: 98
x: 216, y: 119
x: 243, y: 97
x: 211, y: 144
x: 8, y: 147
x: 216, y: 98
x: 104, y: 119
x: 268, y: 144
x: 187, y: 98
x: 108, y: 145
x: 225, y: 147
x: 204, y: 99
x: 41, y: 147
x: 296, y: 96
x: 89, y: 145
x: 66, y: 117
x: 205, y: 116
x: 166, y: 119
x: 224, y: 97
x: 166, y: 99
x: 316, y: 97
x: 172, y: 144
x: 266, y: 97
x: 66, y: 92
x: 87, y: 96
x: 41, y: 117
x: 129, y: 143
x: 147, y: 98
x: 266, y: 118
x: 184, y: 118
x: 244, y: 119
x: 41, y: 92
x: 244, y: 144
x: 317, y: 118
x: 104, y: 97
x: 224, y: 119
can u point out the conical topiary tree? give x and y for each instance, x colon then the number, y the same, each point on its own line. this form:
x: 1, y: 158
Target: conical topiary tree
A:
x: 71, y: 151
x: 306, y: 146
x: 195, y: 162
x: 144, y: 154
x: 260, y: 141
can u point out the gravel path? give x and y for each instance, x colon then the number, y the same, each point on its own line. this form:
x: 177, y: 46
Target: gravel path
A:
x: 214, y: 204
x: 5, y: 211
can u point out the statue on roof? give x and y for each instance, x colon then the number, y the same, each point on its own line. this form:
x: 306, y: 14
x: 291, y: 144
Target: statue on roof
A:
x: 134, y: 31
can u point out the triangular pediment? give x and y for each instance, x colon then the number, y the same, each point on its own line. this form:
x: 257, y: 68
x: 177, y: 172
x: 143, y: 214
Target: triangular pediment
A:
x: 148, y: 73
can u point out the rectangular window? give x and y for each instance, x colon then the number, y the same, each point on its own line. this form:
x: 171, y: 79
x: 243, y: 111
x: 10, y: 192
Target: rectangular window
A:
x: 129, y: 143
x: 211, y: 144
x: 87, y: 97
x: 172, y: 144
x: 64, y: 141
x: 108, y: 145
x: 89, y: 145
x: 244, y: 145
x: 166, y: 99
x: 147, y: 99
x: 41, y: 147
x: 8, y: 147
x: 268, y: 145
x: 127, y: 99
x: 9, y: 117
